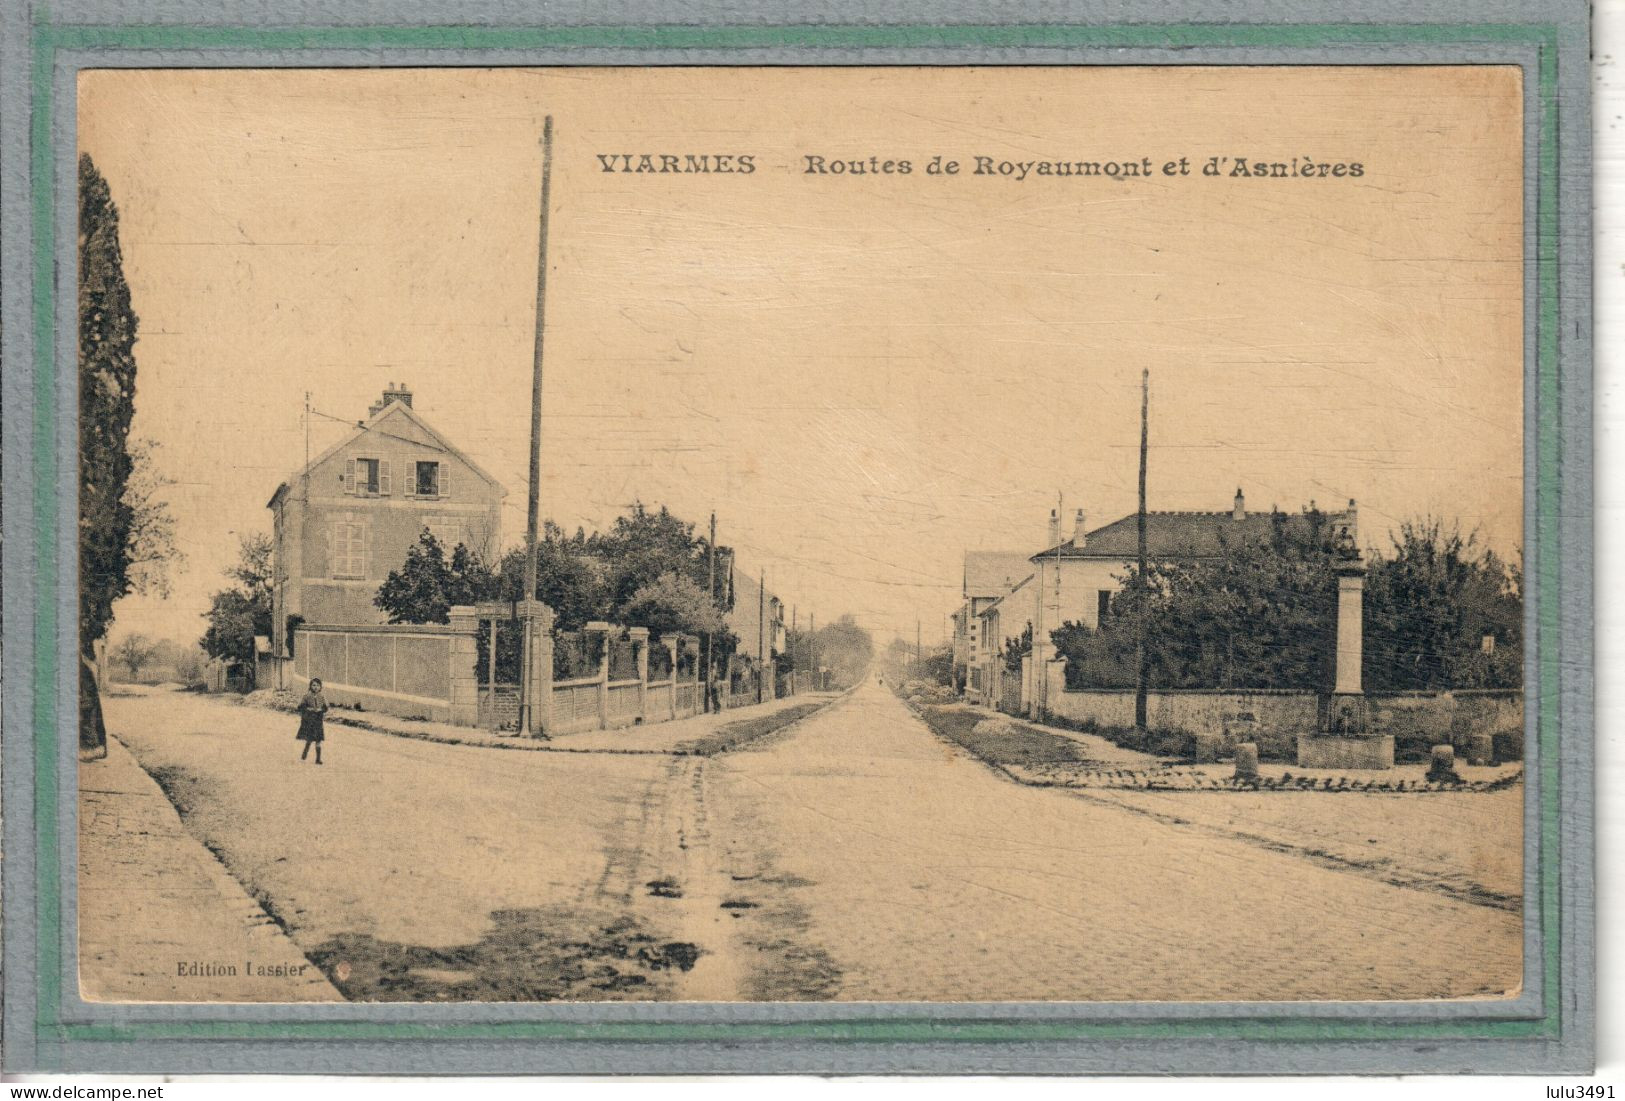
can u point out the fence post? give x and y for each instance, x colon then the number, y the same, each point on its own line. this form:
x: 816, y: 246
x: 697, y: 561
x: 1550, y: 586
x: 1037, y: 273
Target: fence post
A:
x: 538, y: 618
x: 464, y: 693
x: 672, y: 642
x: 640, y: 643
x: 691, y: 645
x: 491, y: 677
x: 601, y: 629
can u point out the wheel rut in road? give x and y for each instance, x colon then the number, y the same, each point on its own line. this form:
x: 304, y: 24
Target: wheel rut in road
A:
x: 704, y: 877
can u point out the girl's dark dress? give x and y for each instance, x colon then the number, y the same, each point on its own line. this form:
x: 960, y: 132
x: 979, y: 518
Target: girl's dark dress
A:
x: 311, y: 709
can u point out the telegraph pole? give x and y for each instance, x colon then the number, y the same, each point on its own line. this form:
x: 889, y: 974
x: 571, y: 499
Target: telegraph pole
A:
x: 1139, y: 642
x: 711, y: 582
x: 533, y: 511
x: 1043, y: 674
x: 812, y: 637
x: 761, y: 637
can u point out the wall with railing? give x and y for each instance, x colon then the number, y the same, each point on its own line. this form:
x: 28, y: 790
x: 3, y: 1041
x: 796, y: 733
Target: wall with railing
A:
x: 622, y: 677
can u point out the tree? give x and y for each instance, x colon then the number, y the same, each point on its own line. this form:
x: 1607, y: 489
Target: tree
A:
x: 1017, y: 648
x: 107, y: 336
x: 135, y: 652
x: 237, y: 614
x: 1431, y: 603
x: 153, y: 552
x: 566, y: 580
x: 842, y: 647
x: 673, y: 604
x: 189, y: 666
x: 428, y: 585
x: 1263, y: 614
x: 642, y: 546
x: 1260, y: 614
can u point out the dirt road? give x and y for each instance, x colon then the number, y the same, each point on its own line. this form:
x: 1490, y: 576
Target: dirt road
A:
x: 854, y: 856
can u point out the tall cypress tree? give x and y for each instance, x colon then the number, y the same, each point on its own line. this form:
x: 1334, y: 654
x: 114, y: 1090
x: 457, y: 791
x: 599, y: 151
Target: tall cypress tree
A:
x: 107, y: 335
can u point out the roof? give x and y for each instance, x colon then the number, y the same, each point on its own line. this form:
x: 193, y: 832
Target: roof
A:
x: 994, y: 573
x: 363, y: 427
x: 1168, y: 535
x: 997, y: 604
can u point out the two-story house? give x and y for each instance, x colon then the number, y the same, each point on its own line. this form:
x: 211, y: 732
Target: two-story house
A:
x: 340, y: 525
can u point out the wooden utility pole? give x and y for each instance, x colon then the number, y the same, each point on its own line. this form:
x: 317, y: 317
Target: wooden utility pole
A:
x: 1139, y: 642
x: 711, y: 583
x: 761, y: 638
x: 533, y: 511
x: 812, y: 637
x: 1043, y: 674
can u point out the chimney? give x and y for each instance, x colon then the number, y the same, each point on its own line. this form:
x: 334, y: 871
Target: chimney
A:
x: 1080, y: 534
x: 1054, y: 528
x: 391, y: 393
x: 1240, y: 510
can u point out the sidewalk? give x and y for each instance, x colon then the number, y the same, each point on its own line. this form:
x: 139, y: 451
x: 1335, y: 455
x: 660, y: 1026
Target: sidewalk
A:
x: 697, y: 734
x: 1112, y: 766
x: 1462, y: 841
x: 159, y: 918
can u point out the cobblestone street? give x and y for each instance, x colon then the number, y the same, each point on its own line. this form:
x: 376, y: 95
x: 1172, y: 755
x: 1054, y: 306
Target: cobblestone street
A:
x: 852, y: 856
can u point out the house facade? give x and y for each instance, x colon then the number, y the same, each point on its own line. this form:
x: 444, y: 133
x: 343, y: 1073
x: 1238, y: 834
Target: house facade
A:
x: 1000, y: 621
x: 988, y: 577
x: 756, y: 619
x: 340, y: 525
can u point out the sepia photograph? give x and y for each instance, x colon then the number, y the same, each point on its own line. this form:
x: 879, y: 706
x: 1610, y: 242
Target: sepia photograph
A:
x: 802, y: 534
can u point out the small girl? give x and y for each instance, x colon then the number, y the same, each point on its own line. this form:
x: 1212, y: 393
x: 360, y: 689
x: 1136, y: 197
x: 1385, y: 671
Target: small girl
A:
x: 311, y: 710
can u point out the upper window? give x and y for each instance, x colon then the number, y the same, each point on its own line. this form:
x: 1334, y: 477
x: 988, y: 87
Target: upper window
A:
x: 367, y: 477
x: 428, y: 480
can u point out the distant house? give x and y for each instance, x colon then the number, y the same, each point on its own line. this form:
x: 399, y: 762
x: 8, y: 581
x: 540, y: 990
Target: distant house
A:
x: 757, y: 618
x: 988, y: 576
x: 347, y: 519
x: 1000, y: 621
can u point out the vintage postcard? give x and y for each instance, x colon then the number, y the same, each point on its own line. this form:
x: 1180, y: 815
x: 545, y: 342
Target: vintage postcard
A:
x: 793, y: 537
x: 855, y: 670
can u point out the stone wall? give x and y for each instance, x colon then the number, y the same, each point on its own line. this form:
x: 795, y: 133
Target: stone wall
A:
x: 404, y: 670
x: 499, y: 709
x: 1274, y: 718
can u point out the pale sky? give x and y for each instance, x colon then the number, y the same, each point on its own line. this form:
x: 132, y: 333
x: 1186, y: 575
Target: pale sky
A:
x: 863, y: 376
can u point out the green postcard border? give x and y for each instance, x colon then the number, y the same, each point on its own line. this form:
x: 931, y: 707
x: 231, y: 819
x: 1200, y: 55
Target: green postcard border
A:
x: 52, y: 1030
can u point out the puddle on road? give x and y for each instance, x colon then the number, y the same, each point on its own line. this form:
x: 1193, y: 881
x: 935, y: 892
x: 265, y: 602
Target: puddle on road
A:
x: 666, y: 887
x: 543, y: 955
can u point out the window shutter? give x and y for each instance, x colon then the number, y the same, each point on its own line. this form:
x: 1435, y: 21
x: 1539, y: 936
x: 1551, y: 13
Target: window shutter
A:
x: 366, y: 549
x: 443, y: 480
x: 383, y: 477
x: 349, y: 477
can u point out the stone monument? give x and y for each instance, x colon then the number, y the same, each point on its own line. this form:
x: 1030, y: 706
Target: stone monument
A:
x: 1344, y: 738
